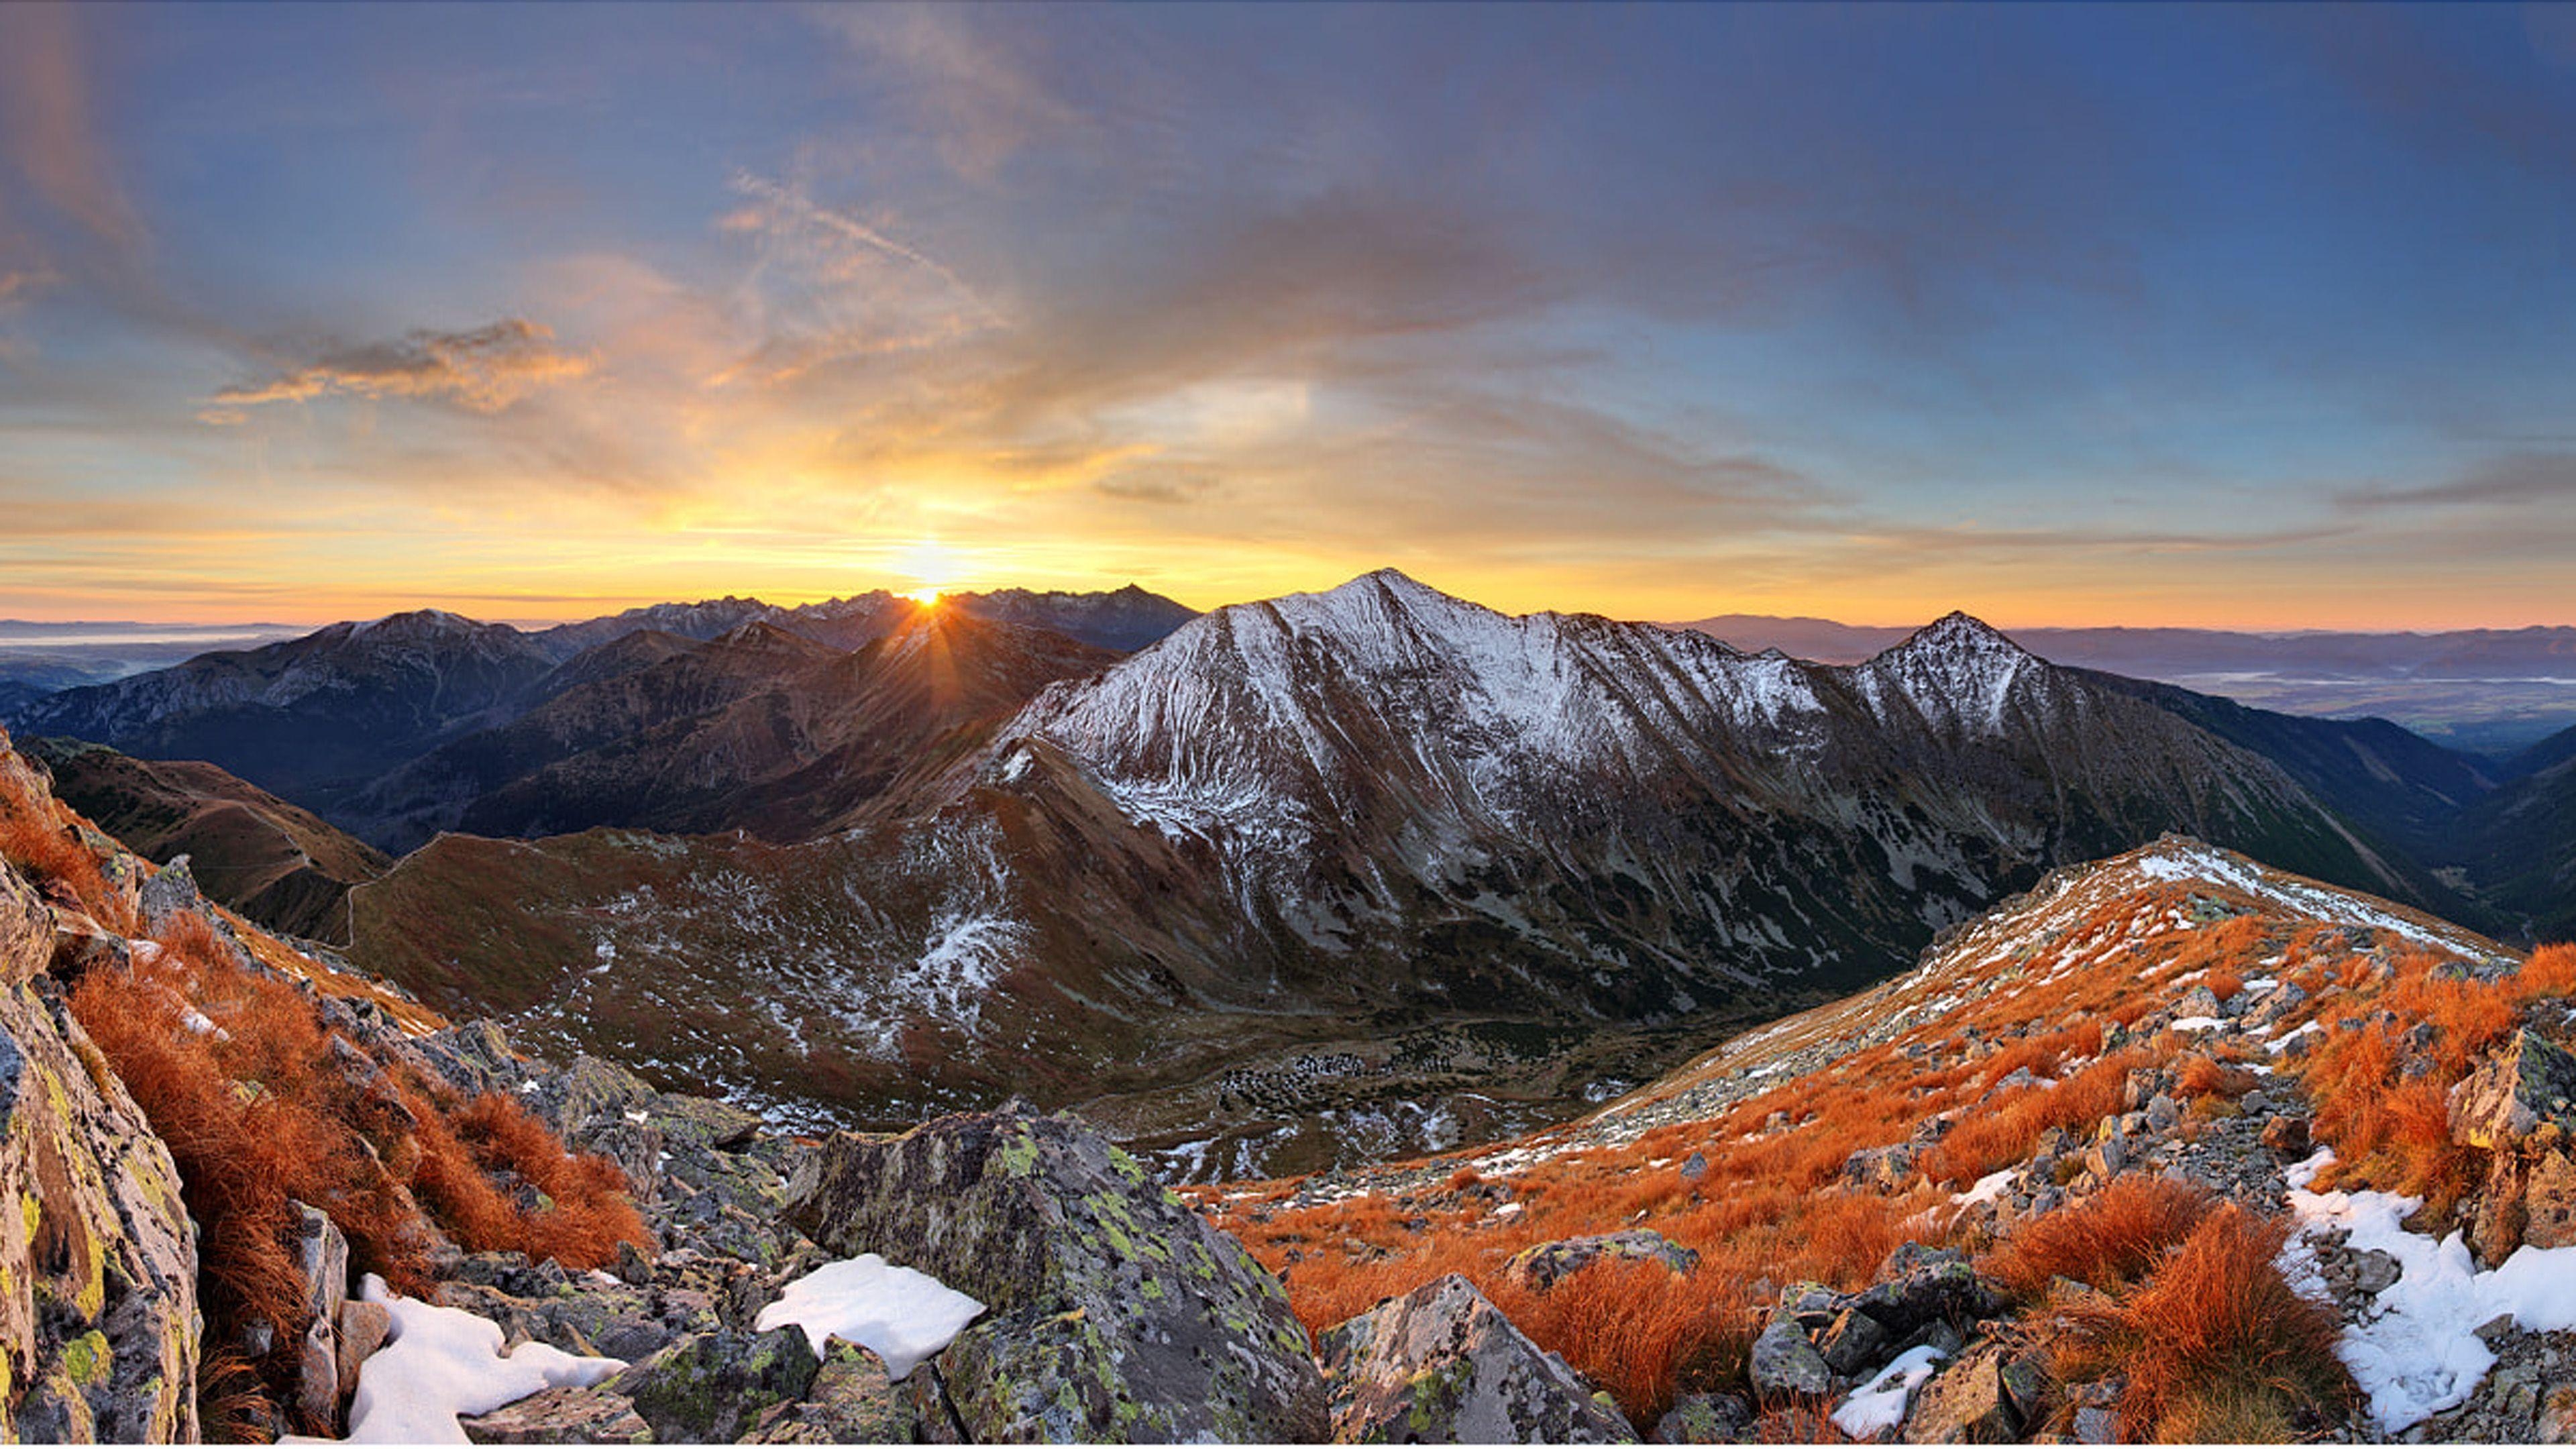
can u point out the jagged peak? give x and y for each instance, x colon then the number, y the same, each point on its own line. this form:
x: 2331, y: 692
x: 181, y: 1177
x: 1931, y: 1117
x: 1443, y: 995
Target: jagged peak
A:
x: 1956, y: 633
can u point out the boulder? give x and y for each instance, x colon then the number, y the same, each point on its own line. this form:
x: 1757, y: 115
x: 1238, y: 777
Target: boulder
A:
x: 711, y: 1388
x: 561, y: 1416
x: 2512, y: 1093
x: 1706, y: 1419
x: 1965, y: 1403
x: 1784, y: 1364
x: 171, y: 891
x: 362, y: 1330
x: 1538, y: 1268
x: 2287, y: 1138
x: 1113, y: 1310
x: 1441, y: 1365
x: 1928, y: 1289
x: 1854, y: 1342
x: 98, y: 1307
x: 2528, y: 1199
x: 852, y: 1402
x: 322, y: 1260
x: 1881, y: 1169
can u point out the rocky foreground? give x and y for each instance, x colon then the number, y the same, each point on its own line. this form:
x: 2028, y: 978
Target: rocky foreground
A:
x: 1886, y: 1219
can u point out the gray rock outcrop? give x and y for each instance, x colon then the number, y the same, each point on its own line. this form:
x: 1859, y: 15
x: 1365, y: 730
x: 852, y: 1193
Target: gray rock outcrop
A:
x: 1113, y: 1311
x: 99, y: 1323
x: 1441, y: 1365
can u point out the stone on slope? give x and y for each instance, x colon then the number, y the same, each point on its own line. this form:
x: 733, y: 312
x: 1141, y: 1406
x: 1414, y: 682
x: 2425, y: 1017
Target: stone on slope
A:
x: 1965, y: 1403
x: 851, y: 1402
x: 1538, y: 1268
x: 1706, y: 1419
x: 1783, y: 1363
x: 322, y: 1260
x: 1114, y: 1312
x: 2513, y: 1092
x: 98, y: 1309
x: 562, y: 1416
x: 710, y: 1388
x: 1441, y: 1365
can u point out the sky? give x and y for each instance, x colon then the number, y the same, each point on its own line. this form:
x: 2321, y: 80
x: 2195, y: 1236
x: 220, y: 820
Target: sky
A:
x: 2251, y: 317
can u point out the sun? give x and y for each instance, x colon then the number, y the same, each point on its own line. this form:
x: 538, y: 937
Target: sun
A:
x: 927, y: 598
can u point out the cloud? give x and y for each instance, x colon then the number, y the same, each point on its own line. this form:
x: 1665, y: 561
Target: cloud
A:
x: 2509, y: 482
x: 47, y: 129
x: 19, y: 284
x: 827, y: 286
x: 1155, y: 484
x: 485, y: 369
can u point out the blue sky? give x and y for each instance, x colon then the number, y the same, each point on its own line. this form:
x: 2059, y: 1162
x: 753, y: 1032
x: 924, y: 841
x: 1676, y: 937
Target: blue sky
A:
x: 2079, y: 314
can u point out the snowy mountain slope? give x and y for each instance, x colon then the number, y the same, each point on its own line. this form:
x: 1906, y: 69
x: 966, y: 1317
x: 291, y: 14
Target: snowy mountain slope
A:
x: 1295, y: 832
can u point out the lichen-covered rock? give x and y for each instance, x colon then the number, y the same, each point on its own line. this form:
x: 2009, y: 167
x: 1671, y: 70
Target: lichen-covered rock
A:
x: 1784, y: 1364
x: 2513, y: 1092
x: 561, y: 1416
x: 1706, y: 1419
x: 98, y: 1302
x: 852, y: 1402
x: 1929, y: 1287
x: 172, y: 891
x: 1965, y: 1403
x: 1539, y: 1267
x: 706, y: 1177
x: 1114, y: 1312
x: 710, y: 1388
x: 1441, y: 1365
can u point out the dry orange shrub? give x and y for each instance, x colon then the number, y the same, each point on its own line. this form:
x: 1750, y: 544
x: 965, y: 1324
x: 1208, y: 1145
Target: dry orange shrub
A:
x: 2200, y: 1075
x: 2107, y: 1241
x: 2216, y: 1339
x: 2391, y: 1129
x: 36, y: 839
x: 2008, y: 1131
x: 234, y: 1071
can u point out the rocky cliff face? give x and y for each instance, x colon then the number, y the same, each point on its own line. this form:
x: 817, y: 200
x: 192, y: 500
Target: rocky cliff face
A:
x: 99, y: 1328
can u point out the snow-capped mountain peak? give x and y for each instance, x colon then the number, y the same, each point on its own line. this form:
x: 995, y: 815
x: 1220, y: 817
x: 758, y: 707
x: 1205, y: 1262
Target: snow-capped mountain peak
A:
x: 1957, y: 671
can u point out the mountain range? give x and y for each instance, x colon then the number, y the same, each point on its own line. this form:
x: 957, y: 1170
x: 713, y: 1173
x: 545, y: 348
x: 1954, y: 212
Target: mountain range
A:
x: 2488, y: 691
x: 1306, y: 880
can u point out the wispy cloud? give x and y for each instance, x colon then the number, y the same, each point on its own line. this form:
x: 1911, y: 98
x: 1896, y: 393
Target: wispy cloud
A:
x: 49, y: 128
x: 485, y: 369
x: 2512, y: 482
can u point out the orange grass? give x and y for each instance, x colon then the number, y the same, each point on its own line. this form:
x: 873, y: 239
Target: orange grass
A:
x: 2109, y: 1240
x: 2218, y: 1336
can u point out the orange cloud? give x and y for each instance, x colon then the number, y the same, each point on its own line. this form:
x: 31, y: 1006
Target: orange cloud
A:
x: 486, y: 369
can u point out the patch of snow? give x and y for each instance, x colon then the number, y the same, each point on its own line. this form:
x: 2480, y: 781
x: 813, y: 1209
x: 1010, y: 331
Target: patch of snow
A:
x: 2305, y: 1170
x: 2420, y: 1353
x: 2283, y: 1044
x: 1879, y: 1405
x: 2198, y: 1023
x: 905, y: 1315
x: 440, y: 1363
x: 1988, y: 1188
